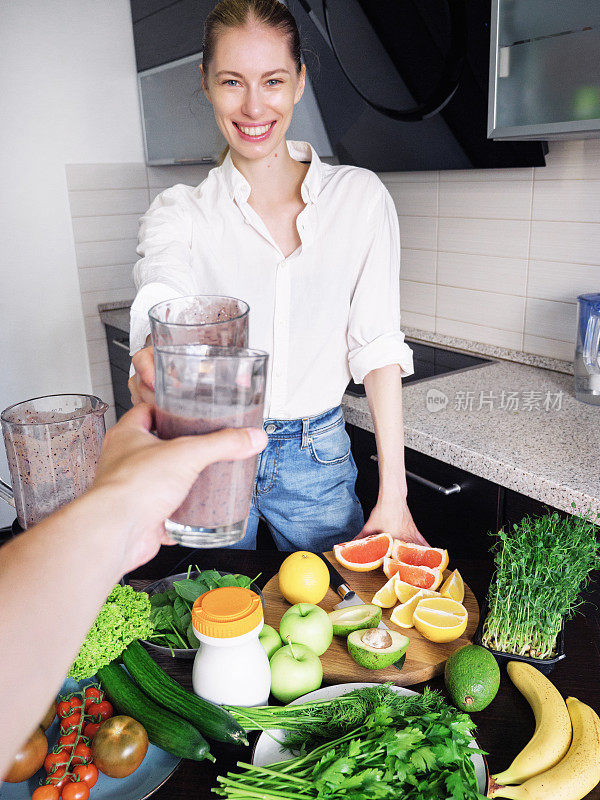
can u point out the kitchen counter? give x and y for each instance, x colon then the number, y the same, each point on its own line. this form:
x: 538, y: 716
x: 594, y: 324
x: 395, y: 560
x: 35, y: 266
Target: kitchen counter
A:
x: 503, y: 728
x: 511, y: 439
x: 516, y: 425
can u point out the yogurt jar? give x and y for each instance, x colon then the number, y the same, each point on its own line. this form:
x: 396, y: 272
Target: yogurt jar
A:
x: 231, y: 666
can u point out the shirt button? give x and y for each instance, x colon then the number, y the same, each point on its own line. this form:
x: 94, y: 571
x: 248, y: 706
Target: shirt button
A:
x: 271, y: 428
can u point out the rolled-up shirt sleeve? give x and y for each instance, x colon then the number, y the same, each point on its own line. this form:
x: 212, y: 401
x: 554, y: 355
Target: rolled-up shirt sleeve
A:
x: 164, y: 270
x: 374, y: 336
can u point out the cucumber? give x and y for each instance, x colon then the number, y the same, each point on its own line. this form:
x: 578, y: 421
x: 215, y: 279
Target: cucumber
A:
x: 210, y: 719
x: 167, y: 730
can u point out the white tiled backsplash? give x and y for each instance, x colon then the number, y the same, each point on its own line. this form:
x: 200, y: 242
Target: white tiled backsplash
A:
x: 496, y: 256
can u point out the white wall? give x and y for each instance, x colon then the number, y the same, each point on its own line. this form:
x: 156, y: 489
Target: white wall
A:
x: 68, y: 89
x: 499, y: 256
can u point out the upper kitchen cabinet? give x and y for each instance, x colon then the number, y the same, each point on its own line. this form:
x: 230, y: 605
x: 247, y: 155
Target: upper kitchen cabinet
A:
x: 544, y: 70
x: 165, y: 31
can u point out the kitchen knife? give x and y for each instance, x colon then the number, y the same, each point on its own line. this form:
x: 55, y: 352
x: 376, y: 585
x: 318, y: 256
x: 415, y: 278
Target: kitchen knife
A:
x: 340, y: 587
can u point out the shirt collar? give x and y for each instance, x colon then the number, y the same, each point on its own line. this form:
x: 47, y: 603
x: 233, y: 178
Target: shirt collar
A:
x: 239, y: 188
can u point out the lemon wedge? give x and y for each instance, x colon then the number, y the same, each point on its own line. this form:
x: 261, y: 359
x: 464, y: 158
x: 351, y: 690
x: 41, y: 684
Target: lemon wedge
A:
x: 403, y: 591
x: 386, y: 596
x: 440, y: 619
x: 454, y: 587
x: 402, y: 615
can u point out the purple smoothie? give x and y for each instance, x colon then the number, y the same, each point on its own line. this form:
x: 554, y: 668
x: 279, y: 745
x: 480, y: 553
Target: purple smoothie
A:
x: 222, y: 493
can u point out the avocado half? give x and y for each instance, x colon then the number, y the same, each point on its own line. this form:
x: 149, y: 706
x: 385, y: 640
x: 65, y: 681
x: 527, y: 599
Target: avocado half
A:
x: 369, y: 649
x: 355, y: 618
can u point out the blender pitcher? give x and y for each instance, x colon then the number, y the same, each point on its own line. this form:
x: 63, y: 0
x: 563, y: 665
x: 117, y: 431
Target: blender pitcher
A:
x: 52, y: 444
x: 587, y: 349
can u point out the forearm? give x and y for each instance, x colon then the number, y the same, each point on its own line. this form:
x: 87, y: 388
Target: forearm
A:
x: 69, y: 561
x: 384, y: 393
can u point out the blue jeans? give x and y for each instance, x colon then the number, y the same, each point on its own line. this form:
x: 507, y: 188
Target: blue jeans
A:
x: 305, y: 485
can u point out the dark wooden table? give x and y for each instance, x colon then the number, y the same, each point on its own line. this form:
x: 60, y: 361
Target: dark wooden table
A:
x: 503, y: 728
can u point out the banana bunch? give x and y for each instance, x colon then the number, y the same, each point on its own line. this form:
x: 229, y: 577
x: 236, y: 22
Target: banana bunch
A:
x: 562, y: 759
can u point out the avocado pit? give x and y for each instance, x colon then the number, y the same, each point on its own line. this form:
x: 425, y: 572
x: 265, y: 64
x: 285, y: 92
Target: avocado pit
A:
x: 377, y: 637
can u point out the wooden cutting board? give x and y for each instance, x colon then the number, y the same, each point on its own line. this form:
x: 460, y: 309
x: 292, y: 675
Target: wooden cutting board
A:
x: 424, y: 659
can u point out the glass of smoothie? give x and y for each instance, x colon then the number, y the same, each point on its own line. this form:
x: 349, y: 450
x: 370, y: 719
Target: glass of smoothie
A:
x: 52, y: 446
x: 200, y: 389
x: 200, y: 319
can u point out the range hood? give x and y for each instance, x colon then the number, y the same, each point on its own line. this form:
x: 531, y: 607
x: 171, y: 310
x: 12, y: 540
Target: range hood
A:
x: 403, y: 85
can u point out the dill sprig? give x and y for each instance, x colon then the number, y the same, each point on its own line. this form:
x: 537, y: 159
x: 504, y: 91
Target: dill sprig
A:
x: 541, y: 567
x: 310, y: 723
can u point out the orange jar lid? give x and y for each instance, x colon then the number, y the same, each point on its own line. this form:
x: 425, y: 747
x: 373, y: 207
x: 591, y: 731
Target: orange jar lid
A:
x: 227, y: 612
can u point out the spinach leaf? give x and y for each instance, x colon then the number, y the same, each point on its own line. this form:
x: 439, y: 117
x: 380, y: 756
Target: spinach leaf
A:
x: 192, y: 638
x: 189, y: 589
x: 162, y: 617
x: 228, y: 580
x: 160, y: 599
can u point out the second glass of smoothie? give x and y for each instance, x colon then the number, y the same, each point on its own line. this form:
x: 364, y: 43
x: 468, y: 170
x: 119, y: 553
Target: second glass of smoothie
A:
x: 200, y: 389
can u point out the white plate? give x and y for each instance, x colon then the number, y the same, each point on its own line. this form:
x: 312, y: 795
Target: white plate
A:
x: 268, y: 751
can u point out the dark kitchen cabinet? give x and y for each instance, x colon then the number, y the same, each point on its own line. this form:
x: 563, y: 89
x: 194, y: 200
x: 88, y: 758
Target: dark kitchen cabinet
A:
x: 119, y: 360
x: 459, y: 521
x: 165, y: 31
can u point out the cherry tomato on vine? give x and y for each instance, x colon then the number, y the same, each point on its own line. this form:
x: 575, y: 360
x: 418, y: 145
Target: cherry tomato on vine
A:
x: 46, y: 792
x: 68, y: 739
x: 72, y: 721
x: 103, y: 710
x: 59, y: 777
x: 88, y: 773
x: 92, y: 695
x: 76, y: 703
x: 81, y: 754
x: 64, y: 709
x: 55, y: 758
x: 77, y: 790
x: 91, y: 729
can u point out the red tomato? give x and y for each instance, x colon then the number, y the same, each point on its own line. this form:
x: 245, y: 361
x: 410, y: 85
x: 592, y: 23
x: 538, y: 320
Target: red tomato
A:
x: 55, y: 758
x: 64, y: 708
x: 76, y: 703
x: 59, y: 777
x: 76, y: 790
x: 103, y: 710
x: 72, y: 721
x: 92, y: 695
x: 82, y: 754
x: 46, y: 792
x: 91, y: 729
x: 68, y: 739
x: 88, y: 773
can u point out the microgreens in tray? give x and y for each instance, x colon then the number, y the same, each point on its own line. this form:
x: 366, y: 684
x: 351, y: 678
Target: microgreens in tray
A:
x: 542, y: 566
x: 171, y: 611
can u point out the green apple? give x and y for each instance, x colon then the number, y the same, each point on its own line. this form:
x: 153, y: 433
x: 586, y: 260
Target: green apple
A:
x: 307, y: 624
x: 295, y: 670
x: 270, y: 639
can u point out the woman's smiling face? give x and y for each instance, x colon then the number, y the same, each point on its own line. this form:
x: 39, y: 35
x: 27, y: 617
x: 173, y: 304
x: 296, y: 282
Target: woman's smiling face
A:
x: 253, y: 85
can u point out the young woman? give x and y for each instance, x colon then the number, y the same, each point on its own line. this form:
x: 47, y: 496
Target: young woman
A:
x: 314, y: 250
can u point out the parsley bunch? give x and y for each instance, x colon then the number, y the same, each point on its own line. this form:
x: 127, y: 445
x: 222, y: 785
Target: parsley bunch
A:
x: 418, y: 756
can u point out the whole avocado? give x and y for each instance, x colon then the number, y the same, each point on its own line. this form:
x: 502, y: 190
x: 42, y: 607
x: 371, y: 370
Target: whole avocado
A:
x: 472, y: 677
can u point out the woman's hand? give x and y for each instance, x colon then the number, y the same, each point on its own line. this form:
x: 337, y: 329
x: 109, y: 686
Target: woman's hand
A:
x: 394, y: 519
x: 141, y: 385
x: 142, y: 479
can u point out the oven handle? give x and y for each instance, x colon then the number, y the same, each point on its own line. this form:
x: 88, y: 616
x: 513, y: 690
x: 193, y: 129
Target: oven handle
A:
x: 445, y: 490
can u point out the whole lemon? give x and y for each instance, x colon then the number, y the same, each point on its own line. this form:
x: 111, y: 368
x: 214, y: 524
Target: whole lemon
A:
x: 303, y: 578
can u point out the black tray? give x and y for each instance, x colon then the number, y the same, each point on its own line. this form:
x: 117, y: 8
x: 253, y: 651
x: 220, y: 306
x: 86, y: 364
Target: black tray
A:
x: 545, y: 665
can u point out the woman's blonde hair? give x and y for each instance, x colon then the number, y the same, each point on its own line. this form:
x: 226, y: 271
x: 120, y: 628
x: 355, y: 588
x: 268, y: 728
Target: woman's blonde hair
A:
x: 236, y: 14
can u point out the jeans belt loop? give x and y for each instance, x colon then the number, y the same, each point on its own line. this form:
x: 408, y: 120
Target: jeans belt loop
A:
x: 305, y: 437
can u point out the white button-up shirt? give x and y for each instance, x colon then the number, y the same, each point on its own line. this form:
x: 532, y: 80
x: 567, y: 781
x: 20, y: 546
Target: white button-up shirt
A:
x: 327, y: 312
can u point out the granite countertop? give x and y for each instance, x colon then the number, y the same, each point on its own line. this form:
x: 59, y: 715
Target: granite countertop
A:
x: 115, y: 314
x: 517, y: 425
